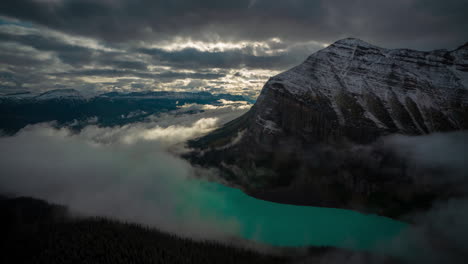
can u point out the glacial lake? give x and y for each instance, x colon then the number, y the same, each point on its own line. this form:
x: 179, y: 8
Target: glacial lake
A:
x: 290, y: 225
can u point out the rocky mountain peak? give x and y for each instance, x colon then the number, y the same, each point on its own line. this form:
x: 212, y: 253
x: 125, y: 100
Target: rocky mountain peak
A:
x: 464, y: 46
x: 306, y: 122
x: 359, y: 91
x: 358, y: 67
x: 60, y: 94
x: 352, y: 42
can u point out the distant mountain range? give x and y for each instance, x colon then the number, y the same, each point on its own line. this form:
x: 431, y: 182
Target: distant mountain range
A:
x: 67, y: 106
x: 297, y: 142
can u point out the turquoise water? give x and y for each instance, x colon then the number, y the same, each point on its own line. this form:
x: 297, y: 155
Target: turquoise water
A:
x: 289, y: 225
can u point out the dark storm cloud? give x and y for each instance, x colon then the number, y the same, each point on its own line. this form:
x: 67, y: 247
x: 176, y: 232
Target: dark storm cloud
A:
x: 72, y: 54
x: 193, y: 58
x: 45, y: 44
x: 144, y: 75
x: 43, y: 59
x: 37, y: 57
x: 53, y: 43
x: 407, y: 23
x: 188, y: 58
x: 18, y: 60
x: 137, y: 65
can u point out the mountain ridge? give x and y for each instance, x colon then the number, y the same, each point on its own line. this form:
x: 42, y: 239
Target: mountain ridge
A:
x: 68, y: 107
x: 304, y: 125
x: 75, y: 94
x: 395, y: 90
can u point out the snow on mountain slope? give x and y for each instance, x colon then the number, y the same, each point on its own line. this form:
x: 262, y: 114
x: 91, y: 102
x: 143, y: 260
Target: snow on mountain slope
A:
x: 298, y: 142
x: 72, y: 94
x: 18, y: 96
x: 60, y: 94
x: 361, y: 86
x: 359, y: 67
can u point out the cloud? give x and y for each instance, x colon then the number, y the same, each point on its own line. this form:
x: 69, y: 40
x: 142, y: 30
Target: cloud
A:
x: 128, y: 173
x: 40, y: 59
x: 123, y: 172
x: 168, y: 129
x: 413, y: 22
x: 439, y: 234
x: 143, y: 75
x: 438, y: 158
x: 224, y: 104
x: 93, y: 45
x: 132, y: 133
x: 243, y: 57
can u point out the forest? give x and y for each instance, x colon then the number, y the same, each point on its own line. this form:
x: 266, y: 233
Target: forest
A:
x: 34, y: 231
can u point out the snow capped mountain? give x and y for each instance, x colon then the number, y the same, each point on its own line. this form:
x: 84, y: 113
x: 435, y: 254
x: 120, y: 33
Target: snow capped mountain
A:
x: 300, y: 135
x: 70, y: 94
x: 361, y: 89
x: 358, y: 91
x: 57, y: 94
x: 18, y: 96
x: 358, y: 67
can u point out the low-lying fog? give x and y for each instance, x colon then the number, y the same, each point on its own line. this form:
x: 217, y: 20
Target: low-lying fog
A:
x: 111, y: 172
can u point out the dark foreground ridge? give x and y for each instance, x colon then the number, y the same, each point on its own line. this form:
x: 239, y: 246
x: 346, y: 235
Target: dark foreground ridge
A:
x: 34, y: 231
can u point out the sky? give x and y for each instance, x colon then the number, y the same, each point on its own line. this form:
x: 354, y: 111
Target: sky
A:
x: 219, y: 46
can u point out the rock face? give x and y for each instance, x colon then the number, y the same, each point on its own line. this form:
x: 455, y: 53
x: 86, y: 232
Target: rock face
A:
x: 350, y: 92
x: 361, y: 91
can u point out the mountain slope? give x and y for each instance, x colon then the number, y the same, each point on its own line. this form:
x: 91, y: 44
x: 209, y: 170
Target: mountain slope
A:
x: 68, y: 106
x: 360, y: 91
x: 303, y: 127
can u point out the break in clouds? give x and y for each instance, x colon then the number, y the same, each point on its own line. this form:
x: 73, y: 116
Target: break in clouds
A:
x: 216, y: 46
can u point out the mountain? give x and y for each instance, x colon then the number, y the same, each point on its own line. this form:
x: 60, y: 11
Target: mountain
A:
x: 60, y: 94
x: 69, y: 106
x: 298, y: 142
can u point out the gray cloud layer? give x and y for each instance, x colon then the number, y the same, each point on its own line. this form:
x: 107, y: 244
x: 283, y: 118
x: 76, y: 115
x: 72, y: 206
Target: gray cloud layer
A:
x: 35, y: 58
x: 413, y: 22
x: 199, y: 45
x: 441, y: 234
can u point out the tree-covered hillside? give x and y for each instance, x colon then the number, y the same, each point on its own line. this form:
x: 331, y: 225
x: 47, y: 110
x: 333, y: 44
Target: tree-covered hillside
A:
x: 36, y: 232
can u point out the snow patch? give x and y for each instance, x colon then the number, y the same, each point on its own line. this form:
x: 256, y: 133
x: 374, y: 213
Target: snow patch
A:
x: 234, y: 141
x: 269, y: 126
x: 60, y: 94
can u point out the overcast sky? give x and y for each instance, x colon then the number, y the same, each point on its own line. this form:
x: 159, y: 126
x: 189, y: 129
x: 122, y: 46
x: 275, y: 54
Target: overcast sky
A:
x: 212, y: 45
